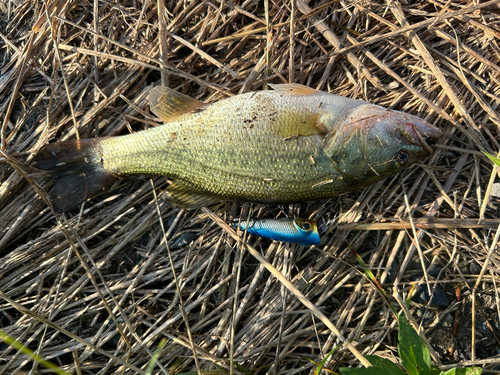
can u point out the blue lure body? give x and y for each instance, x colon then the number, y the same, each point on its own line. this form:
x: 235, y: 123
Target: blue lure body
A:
x: 300, y: 231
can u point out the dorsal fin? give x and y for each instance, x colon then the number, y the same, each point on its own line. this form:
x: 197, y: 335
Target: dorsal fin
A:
x: 293, y: 89
x: 169, y: 104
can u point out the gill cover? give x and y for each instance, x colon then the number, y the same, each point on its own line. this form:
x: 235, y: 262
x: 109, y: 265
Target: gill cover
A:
x: 373, y: 142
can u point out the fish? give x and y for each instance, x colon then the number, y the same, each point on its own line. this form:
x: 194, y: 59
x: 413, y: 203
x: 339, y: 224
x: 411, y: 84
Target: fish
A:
x: 287, y: 145
x: 298, y: 230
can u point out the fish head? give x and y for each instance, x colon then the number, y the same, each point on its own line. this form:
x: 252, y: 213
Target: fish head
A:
x: 374, y: 142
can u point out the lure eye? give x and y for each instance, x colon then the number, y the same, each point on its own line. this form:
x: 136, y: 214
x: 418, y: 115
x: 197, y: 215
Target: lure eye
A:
x: 401, y: 157
x: 302, y: 224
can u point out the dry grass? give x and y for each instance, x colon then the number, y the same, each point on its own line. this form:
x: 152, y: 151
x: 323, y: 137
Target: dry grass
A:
x: 96, y: 291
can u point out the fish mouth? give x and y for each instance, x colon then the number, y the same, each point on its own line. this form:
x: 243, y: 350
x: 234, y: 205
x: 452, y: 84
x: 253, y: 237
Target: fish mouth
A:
x: 419, y: 132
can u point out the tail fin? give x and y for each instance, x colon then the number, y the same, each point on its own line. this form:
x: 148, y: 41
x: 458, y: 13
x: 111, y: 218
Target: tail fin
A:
x: 77, y: 169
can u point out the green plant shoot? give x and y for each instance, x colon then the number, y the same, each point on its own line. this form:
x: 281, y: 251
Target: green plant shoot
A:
x: 415, y: 358
x: 493, y: 158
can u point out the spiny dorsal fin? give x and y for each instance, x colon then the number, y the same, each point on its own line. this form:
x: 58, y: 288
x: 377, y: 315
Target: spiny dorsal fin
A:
x: 169, y: 104
x: 293, y: 89
x: 186, y: 197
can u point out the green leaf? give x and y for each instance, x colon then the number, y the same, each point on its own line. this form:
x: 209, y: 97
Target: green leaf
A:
x: 473, y: 370
x: 493, y: 158
x: 156, y: 355
x: 463, y: 371
x: 415, y: 356
x: 322, y: 363
x: 242, y: 368
x: 34, y: 357
x: 435, y: 370
x: 390, y: 367
x: 363, y: 371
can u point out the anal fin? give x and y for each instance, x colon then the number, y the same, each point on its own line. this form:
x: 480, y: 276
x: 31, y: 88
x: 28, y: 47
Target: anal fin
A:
x: 184, y: 196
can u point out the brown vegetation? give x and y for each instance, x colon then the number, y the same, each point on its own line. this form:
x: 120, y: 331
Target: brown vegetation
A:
x: 94, y: 291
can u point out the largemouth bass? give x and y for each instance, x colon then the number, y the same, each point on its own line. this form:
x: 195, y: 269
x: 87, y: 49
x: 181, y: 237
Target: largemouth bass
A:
x: 300, y: 231
x: 290, y: 144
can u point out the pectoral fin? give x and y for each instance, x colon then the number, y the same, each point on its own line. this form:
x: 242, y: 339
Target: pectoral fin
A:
x: 186, y: 197
x: 169, y: 104
x: 302, y: 126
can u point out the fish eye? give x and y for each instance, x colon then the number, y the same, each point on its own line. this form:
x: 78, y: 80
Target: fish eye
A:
x: 306, y: 226
x: 401, y: 157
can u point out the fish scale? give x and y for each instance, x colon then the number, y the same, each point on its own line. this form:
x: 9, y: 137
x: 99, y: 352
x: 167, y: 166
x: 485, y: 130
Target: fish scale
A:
x: 278, y: 167
x: 200, y: 155
x: 290, y: 144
